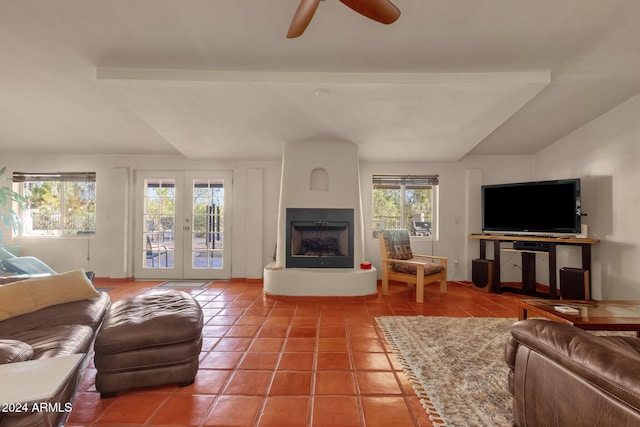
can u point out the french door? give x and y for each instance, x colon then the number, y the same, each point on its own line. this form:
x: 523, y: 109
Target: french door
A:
x: 183, y: 225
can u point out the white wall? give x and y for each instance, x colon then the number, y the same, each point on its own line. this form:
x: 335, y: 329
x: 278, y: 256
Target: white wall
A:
x: 109, y: 252
x: 605, y: 154
x: 459, y: 205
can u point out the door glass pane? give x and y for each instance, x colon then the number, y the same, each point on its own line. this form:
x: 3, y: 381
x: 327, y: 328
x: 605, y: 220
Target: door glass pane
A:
x: 207, y: 229
x: 159, y: 223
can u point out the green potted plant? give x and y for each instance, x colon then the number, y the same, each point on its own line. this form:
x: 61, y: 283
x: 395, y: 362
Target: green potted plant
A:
x: 9, y: 218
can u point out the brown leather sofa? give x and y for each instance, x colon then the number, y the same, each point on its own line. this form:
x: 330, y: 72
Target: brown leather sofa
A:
x: 54, y: 331
x: 563, y: 376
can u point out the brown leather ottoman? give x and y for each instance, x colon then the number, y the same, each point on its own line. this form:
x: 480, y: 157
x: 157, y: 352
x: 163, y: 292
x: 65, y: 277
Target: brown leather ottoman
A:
x: 149, y: 340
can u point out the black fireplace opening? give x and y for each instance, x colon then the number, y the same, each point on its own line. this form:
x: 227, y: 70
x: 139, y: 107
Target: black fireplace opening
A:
x: 319, y: 238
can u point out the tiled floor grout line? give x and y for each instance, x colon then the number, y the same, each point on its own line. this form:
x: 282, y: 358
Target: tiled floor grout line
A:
x: 263, y: 404
x: 265, y: 398
x: 388, y: 356
x: 246, y: 352
x: 355, y: 377
x: 229, y: 377
x: 314, y: 366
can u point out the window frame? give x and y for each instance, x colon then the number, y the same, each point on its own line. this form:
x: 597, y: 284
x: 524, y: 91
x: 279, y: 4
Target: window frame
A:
x: 60, y: 179
x: 404, y: 182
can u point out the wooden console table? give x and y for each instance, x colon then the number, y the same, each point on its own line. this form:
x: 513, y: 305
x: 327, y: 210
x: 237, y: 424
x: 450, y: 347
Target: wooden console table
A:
x: 529, y: 259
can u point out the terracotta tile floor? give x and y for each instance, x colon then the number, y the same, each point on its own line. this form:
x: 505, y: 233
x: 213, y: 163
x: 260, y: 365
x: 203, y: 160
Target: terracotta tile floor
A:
x: 297, y: 362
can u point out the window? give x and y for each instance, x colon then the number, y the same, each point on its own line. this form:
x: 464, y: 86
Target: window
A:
x: 58, y: 204
x: 406, y: 202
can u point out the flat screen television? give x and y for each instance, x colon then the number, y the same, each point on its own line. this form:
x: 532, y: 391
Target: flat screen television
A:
x: 540, y: 207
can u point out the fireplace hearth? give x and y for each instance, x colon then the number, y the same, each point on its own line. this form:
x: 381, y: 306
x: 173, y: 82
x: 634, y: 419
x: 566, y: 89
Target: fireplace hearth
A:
x: 319, y: 238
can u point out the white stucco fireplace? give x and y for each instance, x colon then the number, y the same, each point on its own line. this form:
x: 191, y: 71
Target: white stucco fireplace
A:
x: 320, y: 238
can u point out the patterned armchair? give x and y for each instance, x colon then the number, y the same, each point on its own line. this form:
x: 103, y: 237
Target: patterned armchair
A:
x: 399, y: 263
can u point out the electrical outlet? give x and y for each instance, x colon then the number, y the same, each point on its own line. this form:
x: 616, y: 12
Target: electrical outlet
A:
x: 455, y: 263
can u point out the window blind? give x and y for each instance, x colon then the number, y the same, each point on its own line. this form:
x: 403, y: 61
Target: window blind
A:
x: 413, y: 181
x: 54, y: 176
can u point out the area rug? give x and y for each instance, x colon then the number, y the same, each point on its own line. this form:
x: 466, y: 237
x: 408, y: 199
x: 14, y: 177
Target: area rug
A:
x: 184, y: 284
x: 455, y: 365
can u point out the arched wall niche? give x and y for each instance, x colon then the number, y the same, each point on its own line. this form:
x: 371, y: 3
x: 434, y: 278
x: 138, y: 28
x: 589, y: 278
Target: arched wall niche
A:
x: 319, y: 180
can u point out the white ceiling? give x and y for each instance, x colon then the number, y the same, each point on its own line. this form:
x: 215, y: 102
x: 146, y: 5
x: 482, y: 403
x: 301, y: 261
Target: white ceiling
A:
x: 218, y: 79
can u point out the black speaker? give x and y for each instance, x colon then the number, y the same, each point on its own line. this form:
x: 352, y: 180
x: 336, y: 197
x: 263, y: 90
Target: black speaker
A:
x: 482, y: 274
x: 574, y: 283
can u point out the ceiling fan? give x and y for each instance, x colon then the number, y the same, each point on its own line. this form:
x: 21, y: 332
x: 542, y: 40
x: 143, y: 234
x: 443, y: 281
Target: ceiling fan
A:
x: 379, y: 10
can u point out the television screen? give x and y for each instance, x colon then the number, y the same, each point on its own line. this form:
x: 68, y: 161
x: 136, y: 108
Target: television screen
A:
x: 542, y: 207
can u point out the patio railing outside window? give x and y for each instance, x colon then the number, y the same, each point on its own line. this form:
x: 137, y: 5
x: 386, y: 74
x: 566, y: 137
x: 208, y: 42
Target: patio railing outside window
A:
x: 58, y: 204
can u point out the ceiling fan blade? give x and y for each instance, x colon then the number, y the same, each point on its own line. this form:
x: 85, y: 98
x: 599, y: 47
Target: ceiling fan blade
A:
x: 304, y: 13
x: 379, y: 10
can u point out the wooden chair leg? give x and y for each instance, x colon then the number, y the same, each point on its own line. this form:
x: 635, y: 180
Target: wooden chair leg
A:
x: 385, y: 280
x: 420, y: 285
